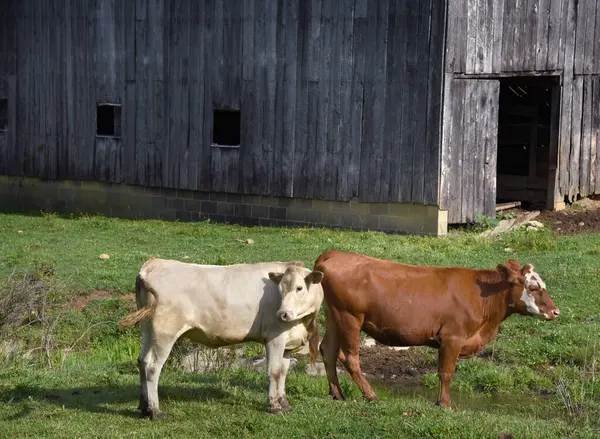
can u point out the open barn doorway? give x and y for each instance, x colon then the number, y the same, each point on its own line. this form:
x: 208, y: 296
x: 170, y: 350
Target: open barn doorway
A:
x: 527, y: 141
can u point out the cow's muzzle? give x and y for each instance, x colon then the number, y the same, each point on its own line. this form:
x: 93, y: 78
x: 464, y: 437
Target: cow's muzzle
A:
x: 286, y: 316
x: 552, y: 314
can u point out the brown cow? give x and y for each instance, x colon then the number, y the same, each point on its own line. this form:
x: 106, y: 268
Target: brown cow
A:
x: 456, y: 310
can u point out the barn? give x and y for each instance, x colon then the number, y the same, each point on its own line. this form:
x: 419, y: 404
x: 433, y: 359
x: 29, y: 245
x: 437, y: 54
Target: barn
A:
x: 393, y: 115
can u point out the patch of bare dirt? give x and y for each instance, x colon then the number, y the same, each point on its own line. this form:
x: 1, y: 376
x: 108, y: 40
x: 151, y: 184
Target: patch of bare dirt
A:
x: 582, y: 217
x: 386, y: 363
x: 81, y: 301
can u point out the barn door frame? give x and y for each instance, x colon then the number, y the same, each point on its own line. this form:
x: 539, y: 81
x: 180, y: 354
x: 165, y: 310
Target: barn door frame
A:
x: 469, y: 148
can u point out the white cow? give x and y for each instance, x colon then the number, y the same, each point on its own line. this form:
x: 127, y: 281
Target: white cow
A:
x: 224, y: 305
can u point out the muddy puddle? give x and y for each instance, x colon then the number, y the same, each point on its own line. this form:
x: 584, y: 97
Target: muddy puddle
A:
x: 498, y: 403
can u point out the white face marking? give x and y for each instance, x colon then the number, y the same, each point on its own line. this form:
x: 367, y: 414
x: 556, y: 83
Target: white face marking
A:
x: 532, y: 279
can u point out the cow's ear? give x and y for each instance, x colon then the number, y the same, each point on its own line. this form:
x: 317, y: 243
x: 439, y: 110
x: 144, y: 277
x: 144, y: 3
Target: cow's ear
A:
x: 514, y: 264
x: 507, y: 273
x: 276, y: 277
x: 527, y: 268
x: 314, y: 277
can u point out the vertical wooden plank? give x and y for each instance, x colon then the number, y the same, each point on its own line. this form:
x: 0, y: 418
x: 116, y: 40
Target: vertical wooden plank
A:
x: 375, y: 94
x: 279, y: 149
x: 595, y: 141
x: 397, y: 98
x: 447, y: 144
x: 470, y: 150
x: 591, y: 11
x: 290, y: 47
x: 596, y: 40
x: 586, y: 138
x: 490, y: 144
x: 408, y: 97
x: 459, y: 116
x: 508, y: 35
x: 397, y: 13
x: 342, y: 152
x: 157, y: 122
x: 142, y: 81
x: 498, y: 24
x: 553, y: 194
x: 451, y: 42
x: 305, y: 37
x: 434, y: 98
x: 567, y: 28
x: 178, y: 82
x: 541, y: 54
x: 205, y: 88
x: 472, y: 31
x: 327, y: 85
x: 355, y: 141
x: 580, y: 36
x: 575, y: 153
x: 197, y: 117
x: 554, y: 26
x: 462, y: 36
x: 129, y: 101
x: 487, y: 43
x: 569, y: 106
x: 530, y: 30
x: 419, y: 99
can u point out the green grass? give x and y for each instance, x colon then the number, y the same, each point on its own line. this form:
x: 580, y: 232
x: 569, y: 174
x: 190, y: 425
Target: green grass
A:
x: 91, y: 391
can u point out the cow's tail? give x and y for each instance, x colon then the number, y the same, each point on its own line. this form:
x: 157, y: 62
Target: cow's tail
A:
x: 313, y: 340
x: 146, y: 304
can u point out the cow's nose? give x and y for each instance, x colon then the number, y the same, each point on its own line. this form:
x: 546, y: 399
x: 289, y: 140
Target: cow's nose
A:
x: 286, y: 316
x: 555, y: 312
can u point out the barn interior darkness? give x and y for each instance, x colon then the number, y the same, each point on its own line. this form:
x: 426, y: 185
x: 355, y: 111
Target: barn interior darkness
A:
x: 525, y: 136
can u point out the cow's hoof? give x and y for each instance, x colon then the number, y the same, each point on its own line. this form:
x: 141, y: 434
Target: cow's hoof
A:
x: 154, y: 415
x: 285, y: 405
x: 445, y: 405
x: 275, y: 410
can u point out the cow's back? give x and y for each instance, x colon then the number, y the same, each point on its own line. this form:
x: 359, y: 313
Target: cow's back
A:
x: 223, y: 304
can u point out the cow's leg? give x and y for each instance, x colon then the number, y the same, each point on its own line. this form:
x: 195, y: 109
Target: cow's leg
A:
x: 152, y: 363
x: 275, y: 350
x: 449, y: 351
x: 349, y: 355
x: 329, y: 348
x: 146, y: 344
x: 285, y: 366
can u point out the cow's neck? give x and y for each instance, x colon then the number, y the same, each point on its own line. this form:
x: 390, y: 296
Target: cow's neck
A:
x: 496, y: 299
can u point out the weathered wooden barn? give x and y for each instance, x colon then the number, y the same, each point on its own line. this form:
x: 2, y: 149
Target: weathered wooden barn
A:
x: 397, y: 115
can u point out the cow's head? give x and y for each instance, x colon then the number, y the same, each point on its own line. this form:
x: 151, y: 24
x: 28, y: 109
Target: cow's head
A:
x: 528, y: 293
x: 300, y: 291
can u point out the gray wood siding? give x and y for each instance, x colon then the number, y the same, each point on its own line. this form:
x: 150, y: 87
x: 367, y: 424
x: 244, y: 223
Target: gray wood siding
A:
x: 470, y: 145
x: 500, y: 36
x: 339, y: 98
x: 511, y: 37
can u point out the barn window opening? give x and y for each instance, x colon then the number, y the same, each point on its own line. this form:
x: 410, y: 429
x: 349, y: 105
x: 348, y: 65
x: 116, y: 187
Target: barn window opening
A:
x: 527, y: 140
x: 226, y: 128
x: 3, y: 115
x: 108, y: 120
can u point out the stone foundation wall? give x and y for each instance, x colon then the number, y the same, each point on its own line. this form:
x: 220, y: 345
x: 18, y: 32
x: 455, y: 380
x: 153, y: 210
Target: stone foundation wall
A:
x: 18, y: 194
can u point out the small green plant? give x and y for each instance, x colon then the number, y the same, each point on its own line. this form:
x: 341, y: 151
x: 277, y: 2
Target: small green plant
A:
x: 485, y: 222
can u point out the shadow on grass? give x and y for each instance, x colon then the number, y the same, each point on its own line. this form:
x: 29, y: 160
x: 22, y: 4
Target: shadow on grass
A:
x: 101, y: 399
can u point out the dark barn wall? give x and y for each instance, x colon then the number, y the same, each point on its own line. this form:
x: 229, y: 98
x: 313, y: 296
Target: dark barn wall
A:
x: 503, y: 37
x: 339, y: 98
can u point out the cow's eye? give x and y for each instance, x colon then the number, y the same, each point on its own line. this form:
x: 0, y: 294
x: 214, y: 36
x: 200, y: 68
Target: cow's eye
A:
x: 299, y: 288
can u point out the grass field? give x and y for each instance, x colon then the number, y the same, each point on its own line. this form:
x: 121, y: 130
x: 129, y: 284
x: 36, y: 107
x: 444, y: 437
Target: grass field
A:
x: 71, y: 373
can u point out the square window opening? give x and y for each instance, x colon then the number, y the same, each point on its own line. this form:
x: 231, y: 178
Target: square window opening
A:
x: 226, y: 128
x: 108, y: 120
x: 3, y: 115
